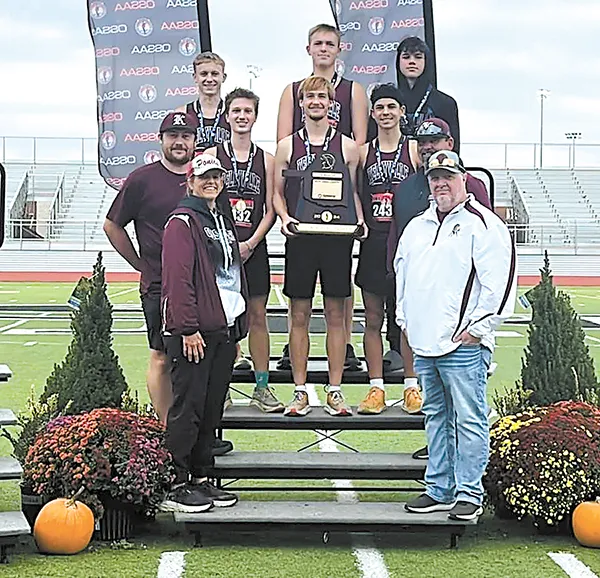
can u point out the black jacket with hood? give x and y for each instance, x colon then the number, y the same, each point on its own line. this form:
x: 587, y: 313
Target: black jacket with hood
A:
x: 438, y: 103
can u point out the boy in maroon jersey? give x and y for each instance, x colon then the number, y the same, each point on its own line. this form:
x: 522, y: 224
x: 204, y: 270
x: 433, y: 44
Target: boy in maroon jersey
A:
x: 329, y: 257
x: 385, y: 164
x: 209, y: 76
x: 248, y: 198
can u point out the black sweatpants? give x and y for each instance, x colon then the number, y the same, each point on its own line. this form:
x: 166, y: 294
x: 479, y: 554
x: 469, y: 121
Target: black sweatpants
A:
x: 199, y: 391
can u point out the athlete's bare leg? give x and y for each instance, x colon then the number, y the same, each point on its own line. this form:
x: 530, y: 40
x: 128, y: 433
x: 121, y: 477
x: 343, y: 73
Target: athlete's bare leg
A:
x: 158, y: 381
x: 300, y: 312
x: 373, y: 342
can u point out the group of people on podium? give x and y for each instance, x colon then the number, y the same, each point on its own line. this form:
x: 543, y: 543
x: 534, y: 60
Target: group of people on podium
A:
x: 436, y: 264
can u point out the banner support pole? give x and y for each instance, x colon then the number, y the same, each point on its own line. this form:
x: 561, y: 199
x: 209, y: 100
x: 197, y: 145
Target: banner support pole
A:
x: 204, y: 26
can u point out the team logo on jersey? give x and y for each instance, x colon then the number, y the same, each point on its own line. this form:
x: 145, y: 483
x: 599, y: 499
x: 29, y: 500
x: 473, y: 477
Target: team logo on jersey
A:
x: 340, y: 67
x: 455, y: 230
x: 151, y: 157
x: 143, y: 26
x: 105, y: 74
x: 97, y: 10
x: 187, y: 46
x: 327, y: 161
x: 377, y: 25
x: 108, y: 140
x: 147, y: 93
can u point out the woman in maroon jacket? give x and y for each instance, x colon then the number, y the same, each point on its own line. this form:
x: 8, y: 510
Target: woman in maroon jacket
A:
x: 203, y: 315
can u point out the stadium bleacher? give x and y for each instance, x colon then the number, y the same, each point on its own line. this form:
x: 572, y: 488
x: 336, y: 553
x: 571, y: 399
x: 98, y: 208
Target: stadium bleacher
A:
x: 563, y: 207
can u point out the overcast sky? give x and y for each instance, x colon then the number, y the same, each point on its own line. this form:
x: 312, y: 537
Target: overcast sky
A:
x: 492, y: 56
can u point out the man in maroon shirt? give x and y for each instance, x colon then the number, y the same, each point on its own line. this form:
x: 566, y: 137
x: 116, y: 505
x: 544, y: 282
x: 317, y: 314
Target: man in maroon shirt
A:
x: 147, y: 197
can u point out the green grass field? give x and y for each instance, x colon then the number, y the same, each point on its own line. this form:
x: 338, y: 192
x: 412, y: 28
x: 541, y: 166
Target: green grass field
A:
x: 32, y: 343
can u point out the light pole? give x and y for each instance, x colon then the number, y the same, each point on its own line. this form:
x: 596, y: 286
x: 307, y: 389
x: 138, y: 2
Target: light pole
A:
x: 544, y: 94
x: 254, y: 72
x: 572, y: 137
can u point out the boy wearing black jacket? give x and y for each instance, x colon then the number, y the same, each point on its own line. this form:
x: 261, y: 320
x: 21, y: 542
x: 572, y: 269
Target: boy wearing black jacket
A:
x: 414, y: 70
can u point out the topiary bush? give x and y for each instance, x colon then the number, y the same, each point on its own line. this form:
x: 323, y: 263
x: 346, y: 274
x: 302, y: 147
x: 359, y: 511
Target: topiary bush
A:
x: 90, y: 376
x: 544, y: 462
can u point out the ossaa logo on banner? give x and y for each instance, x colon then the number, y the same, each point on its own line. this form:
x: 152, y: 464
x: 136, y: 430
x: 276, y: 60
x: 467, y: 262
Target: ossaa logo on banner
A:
x: 188, y: 46
x: 108, y: 140
x: 143, y: 26
x: 377, y: 25
x: 340, y: 67
x: 151, y: 157
x: 105, y: 74
x: 97, y: 10
x: 147, y: 93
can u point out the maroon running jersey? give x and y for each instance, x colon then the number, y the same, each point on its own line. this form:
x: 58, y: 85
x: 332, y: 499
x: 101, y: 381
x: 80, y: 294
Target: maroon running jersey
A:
x: 207, y: 135
x: 378, y: 184
x: 148, y: 196
x: 340, y: 110
x: 299, y: 161
x: 245, y: 189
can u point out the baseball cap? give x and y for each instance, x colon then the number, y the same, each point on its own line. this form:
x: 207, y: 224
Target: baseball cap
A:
x: 179, y: 121
x: 432, y: 128
x: 445, y: 160
x: 203, y: 163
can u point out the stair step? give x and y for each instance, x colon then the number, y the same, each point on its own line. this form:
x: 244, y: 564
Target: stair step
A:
x: 394, y: 418
x: 356, y: 517
x: 7, y: 417
x: 10, y: 469
x: 13, y: 524
x: 5, y: 372
x: 319, y: 465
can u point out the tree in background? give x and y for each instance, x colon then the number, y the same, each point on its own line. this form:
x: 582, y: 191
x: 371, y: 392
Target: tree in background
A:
x: 90, y: 376
x: 557, y: 364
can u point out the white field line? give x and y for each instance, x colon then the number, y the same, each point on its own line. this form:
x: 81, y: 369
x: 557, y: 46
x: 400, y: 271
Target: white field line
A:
x: 571, y: 565
x: 369, y: 560
x: 595, y: 339
x: 171, y: 565
x: 280, y: 296
x: 124, y: 292
x: 22, y: 322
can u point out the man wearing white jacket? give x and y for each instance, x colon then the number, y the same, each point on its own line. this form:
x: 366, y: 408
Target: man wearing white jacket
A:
x: 455, y: 272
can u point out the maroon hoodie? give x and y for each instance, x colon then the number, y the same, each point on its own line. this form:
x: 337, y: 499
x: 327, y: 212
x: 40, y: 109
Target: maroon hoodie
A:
x: 190, y: 296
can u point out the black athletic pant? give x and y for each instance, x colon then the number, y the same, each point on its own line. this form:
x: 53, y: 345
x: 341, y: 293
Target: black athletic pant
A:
x: 199, y: 391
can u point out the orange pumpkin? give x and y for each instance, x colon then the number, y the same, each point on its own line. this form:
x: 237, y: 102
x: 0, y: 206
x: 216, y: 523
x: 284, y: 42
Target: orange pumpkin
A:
x: 64, y: 526
x: 586, y: 524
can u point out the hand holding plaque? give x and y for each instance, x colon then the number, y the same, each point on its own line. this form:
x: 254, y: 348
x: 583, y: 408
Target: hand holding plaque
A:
x: 326, y: 201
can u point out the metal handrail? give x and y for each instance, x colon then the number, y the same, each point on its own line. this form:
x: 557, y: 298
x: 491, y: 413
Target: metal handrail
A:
x: 56, y: 205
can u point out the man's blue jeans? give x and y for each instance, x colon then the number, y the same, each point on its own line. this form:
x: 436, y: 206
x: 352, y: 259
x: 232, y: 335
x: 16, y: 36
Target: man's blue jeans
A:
x: 456, y: 422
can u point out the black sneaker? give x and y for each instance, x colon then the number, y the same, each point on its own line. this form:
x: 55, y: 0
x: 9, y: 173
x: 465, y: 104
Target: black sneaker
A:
x: 284, y: 364
x: 221, y: 447
x: 351, y: 363
x: 219, y: 498
x: 425, y: 505
x: 422, y: 454
x: 185, y: 499
x: 465, y: 511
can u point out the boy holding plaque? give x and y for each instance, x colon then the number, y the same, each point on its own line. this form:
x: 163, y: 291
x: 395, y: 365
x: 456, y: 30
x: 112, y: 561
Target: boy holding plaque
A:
x: 323, y: 166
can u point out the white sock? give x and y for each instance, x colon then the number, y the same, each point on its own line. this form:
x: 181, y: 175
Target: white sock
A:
x: 335, y: 388
x: 410, y: 382
x: 301, y: 387
x: 377, y: 382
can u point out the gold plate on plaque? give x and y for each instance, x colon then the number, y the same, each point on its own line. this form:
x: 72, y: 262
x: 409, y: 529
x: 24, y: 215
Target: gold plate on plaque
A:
x: 326, y: 188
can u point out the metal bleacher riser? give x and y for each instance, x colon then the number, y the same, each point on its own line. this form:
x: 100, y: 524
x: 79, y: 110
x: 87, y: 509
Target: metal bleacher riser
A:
x: 13, y: 525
